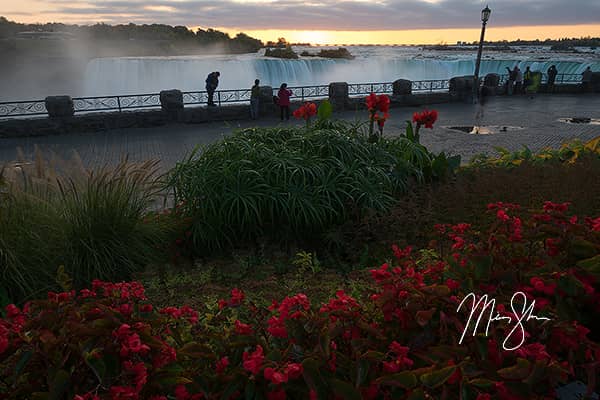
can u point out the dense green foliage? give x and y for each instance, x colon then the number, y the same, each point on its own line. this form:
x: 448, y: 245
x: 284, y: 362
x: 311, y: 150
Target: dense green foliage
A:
x: 155, y: 32
x: 292, y: 183
x: 94, y: 225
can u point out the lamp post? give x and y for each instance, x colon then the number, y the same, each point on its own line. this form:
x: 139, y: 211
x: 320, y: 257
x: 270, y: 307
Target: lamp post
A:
x: 485, y: 16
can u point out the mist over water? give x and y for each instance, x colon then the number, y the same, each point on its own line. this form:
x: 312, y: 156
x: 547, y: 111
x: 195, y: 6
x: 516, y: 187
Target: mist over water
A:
x: 129, y: 75
x: 71, y: 71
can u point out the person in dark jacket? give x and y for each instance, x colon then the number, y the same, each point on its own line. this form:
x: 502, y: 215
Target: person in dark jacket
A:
x: 526, y: 79
x: 212, y: 81
x: 284, y: 101
x: 512, y: 77
x: 254, y: 96
x: 552, y: 72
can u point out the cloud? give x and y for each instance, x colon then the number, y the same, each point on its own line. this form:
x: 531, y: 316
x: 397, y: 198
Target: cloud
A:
x: 328, y: 14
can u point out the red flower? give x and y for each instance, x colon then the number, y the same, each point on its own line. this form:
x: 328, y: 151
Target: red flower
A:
x: 452, y: 284
x: 294, y: 370
x: 426, y: 118
x: 242, y: 329
x: 222, y: 365
x: 378, y: 103
x: 123, y: 393
x: 306, y: 111
x: 483, y: 396
x: 253, y: 361
x: 237, y: 296
x: 275, y: 376
x: 277, y: 327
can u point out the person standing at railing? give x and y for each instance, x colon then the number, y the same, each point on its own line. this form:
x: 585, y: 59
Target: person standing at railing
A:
x: 518, y: 81
x: 254, y: 96
x: 526, y: 79
x: 552, y: 72
x: 586, y: 80
x: 284, y: 101
x: 512, y: 77
x: 212, y: 81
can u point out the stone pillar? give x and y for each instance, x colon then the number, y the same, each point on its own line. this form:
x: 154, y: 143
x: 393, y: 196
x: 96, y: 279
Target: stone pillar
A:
x: 596, y: 82
x: 60, y: 106
x: 265, y: 100
x: 491, y: 80
x: 402, y: 86
x: 171, y: 100
x: 338, y: 95
x: 461, y: 88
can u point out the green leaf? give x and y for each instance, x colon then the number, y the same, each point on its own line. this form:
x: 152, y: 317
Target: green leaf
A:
x: 591, y: 265
x: 417, y: 394
x: 232, y: 388
x: 362, y: 371
x: 583, y: 249
x: 409, y: 132
x: 483, y: 266
x: 516, y: 372
x: 344, y: 390
x: 454, y: 163
x: 437, y: 378
x: 405, y: 379
x: 481, y: 383
x: 325, y: 110
x: 59, y: 385
x: 250, y: 390
x: 538, y: 373
x: 25, y: 357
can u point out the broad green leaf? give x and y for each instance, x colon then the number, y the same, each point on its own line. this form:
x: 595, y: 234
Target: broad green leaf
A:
x: 345, y: 390
x: 517, y: 372
x: 59, y: 385
x: 591, y: 265
x: 405, y: 379
x: 437, y: 378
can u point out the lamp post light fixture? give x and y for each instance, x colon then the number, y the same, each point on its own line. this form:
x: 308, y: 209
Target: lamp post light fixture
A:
x: 485, y: 16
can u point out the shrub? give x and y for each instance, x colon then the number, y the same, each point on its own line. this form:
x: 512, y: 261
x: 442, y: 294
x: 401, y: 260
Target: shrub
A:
x: 404, y: 342
x: 95, y: 224
x: 569, y: 152
x: 291, y: 183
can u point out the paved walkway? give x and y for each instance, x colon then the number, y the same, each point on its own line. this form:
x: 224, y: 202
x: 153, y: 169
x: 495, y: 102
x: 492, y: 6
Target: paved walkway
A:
x: 539, y: 117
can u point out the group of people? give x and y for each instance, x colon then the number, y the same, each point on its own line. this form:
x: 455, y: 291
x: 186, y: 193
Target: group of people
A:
x: 282, y: 99
x: 519, y: 82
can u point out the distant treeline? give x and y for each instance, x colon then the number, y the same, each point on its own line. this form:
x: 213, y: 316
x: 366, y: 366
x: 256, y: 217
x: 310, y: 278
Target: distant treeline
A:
x: 155, y: 32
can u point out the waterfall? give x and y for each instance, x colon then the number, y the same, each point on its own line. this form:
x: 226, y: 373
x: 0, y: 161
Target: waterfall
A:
x: 129, y: 75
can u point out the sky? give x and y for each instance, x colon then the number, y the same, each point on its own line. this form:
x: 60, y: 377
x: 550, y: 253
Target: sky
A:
x: 333, y: 21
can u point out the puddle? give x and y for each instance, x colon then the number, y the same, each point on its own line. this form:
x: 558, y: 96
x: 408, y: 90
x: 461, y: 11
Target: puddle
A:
x: 580, y: 120
x: 484, y: 130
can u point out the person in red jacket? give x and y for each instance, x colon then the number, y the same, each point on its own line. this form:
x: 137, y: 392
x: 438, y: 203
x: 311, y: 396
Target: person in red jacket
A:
x: 284, y: 100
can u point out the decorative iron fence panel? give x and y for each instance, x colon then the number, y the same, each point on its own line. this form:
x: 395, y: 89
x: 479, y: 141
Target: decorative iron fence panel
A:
x: 21, y: 108
x: 152, y: 100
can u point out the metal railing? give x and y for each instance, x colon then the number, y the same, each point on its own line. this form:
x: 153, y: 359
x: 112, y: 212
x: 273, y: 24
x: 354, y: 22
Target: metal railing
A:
x: 152, y: 100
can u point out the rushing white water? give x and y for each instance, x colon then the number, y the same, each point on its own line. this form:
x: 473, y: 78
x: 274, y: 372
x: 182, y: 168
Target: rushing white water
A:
x: 128, y: 75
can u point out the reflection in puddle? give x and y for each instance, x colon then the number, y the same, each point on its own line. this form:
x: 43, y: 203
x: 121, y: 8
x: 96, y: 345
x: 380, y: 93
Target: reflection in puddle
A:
x: 580, y: 120
x: 484, y: 130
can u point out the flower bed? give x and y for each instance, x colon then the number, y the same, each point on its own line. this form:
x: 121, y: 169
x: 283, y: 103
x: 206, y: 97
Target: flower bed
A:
x: 409, y: 339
